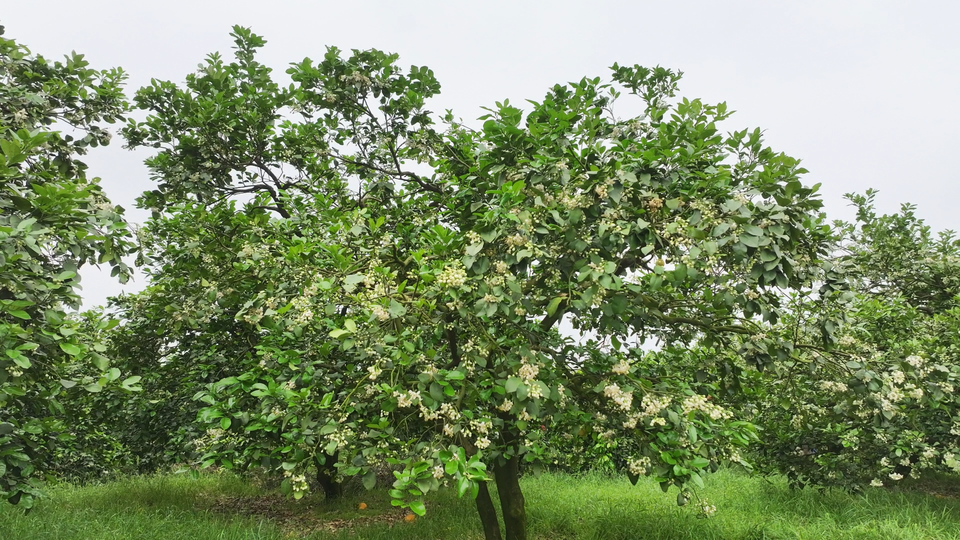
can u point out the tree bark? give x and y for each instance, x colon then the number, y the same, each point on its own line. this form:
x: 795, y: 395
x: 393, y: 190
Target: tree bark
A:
x: 511, y: 498
x: 488, y: 514
x: 327, y: 478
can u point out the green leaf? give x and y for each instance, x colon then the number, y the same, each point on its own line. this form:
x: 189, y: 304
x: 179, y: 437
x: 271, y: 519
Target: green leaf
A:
x: 396, y: 309
x: 70, y: 348
x: 554, y: 304
x: 99, y: 361
x: 20, y: 314
x: 418, y: 508
x: 462, y: 486
x: 473, y: 249
x: 370, y: 480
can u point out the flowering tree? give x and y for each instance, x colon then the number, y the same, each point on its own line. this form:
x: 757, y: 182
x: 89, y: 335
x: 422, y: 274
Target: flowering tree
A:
x: 881, y: 406
x: 394, y: 291
x: 53, y: 220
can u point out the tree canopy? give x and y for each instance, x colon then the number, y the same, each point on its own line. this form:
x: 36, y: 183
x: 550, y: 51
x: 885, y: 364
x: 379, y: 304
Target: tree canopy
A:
x: 53, y: 220
x: 350, y: 279
x: 344, y: 283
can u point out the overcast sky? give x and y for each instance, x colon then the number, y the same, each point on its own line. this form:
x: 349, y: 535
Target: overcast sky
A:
x: 864, y: 92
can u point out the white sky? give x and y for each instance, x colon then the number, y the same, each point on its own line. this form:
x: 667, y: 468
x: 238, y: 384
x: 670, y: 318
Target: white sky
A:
x: 862, y: 91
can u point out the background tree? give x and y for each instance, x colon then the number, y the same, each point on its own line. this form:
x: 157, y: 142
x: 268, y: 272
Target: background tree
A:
x: 881, y: 406
x: 53, y: 220
x: 410, y: 282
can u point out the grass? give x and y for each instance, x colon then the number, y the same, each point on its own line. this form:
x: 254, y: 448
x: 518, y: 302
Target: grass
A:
x: 594, y: 506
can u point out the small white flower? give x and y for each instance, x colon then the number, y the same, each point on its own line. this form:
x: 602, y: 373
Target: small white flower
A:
x: 621, y: 368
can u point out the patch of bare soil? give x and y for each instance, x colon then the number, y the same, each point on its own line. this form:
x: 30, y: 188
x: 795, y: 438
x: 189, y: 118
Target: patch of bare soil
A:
x: 297, y: 519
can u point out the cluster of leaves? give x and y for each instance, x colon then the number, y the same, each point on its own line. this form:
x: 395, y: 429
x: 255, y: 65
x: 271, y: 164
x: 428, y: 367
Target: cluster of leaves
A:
x: 53, y: 220
x: 342, y: 284
x: 881, y: 405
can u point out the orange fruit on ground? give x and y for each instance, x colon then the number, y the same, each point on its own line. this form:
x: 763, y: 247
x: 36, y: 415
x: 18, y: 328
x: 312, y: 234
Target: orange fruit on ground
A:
x: 363, y: 506
x: 409, y: 518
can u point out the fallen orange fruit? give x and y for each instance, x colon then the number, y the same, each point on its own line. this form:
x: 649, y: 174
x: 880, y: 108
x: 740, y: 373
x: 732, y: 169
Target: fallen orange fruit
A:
x: 409, y: 518
x: 363, y: 506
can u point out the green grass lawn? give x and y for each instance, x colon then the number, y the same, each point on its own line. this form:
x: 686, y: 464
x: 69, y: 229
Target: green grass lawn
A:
x: 595, y: 506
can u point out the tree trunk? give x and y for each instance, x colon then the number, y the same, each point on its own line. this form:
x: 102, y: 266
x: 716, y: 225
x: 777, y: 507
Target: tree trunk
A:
x: 327, y: 478
x: 331, y: 488
x: 511, y: 499
x: 488, y: 514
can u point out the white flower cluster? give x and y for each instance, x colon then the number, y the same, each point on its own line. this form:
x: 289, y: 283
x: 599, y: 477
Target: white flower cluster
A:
x: 832, y: 386
x: 706, y: 509
x: 250, y: 251
x: 528, y: 372
x: 356, y: 79
x: 623, y: 399
x: 341, y: 436
x: 638, y: 466
x: 380, y: 312
x: 653, y: 406
x: 407, y: 399
x: 297, y: 482
x: 571, y: 202
x: 446, y: 410
x: 453, y: 275
x: 950, y: 459
x: 700, y: 403
x: 621, y: 368
x: 515, y: 240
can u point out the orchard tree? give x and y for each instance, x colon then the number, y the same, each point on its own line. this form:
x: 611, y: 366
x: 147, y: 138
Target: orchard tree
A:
x: 882, y: 405
x: 397, y: 287
x: 53, y: 220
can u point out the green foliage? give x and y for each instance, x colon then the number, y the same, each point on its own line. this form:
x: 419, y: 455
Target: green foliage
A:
x: 880, y: 406
x: 344, y: 284
x: 53, y: 220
